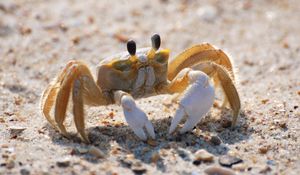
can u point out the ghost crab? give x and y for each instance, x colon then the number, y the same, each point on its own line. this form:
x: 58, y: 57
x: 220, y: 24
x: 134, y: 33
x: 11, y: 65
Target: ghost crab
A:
x: 140, y: 73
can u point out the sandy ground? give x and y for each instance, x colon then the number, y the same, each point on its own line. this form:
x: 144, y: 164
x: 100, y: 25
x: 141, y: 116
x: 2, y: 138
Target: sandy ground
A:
x: 37, y: 38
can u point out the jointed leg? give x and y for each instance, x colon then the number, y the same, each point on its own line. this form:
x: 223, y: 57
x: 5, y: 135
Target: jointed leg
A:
x: 47, y: 101
x: 85, y: 91
x: 228, y: 87
x: 218, y: 72
x: 214, y: 63
x: 78, y: 109
x: 62, y: 100
x: 199, y: 54
x: 77, y: 77
x: 49, y: 95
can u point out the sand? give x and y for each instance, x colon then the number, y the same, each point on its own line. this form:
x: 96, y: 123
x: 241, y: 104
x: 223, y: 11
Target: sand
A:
x: 37, y: 39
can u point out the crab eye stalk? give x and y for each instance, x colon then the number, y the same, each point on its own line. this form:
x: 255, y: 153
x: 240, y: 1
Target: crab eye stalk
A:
x: 131, y: 47
x: 155, y: 39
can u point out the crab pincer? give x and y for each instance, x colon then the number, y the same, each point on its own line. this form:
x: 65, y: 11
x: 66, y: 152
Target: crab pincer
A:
x: 136, y: 118
x: 196, y: 101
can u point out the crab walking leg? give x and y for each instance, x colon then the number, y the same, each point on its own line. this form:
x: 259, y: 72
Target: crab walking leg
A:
x: 78, y: 110
x: 135, y: 117
x: 228, y: 87
x: 49, y: 95
x: 212, y: 73
x: 196, y: 55
x: 62, y: 100
x: 85, y: 90
x: 79, y: 78
x: 196, y: 101
x: 47, y: 101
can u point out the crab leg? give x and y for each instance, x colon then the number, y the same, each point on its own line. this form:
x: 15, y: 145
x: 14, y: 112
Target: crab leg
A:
x: 196, y: 55
x: 228, y: 87
x: 78, y: 110
x: 85, y: 90
x: 196, y: 100
x: 213, y: 62
x: 135, y: 117
x: 49, y: 95
x: 77, y: 77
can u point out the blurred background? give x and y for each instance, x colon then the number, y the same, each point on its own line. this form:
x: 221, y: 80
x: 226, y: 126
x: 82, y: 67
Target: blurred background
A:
x: 37, y: 33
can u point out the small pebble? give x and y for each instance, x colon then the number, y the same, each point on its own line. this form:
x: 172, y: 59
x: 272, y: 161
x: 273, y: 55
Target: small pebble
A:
x: 203, y: 155
x: 138, y: 168
x: 63, y: 163
x: 215, y: 140
x: 163, y: 152
x: 10, y: 164
x: 194, y: 173
x: 226, y: 123
x: 228, y: 160
x: 82, y: 150
x: 239, y: 167
x: 4, y: 146
x: 264, y: 101
x: 126, y: 163
x: 151, y: 142
x: 271, y: 162
x: 182, y: 154
x: 115, y: 150
x: 216, y: 170
x: 283, y: 125
x: 16, y: 130
x: 155, y: 157
x: 197, y: 162
x: 79, y: 150
x: 96, y: 152
x: 24, y: 171
x: 265, y: 170
x: 24, y: 30
x: 263, y: 149
x: 76, y: 40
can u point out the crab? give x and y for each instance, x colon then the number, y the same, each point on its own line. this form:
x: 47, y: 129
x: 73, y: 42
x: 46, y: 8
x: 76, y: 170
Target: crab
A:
x: 140, y: 73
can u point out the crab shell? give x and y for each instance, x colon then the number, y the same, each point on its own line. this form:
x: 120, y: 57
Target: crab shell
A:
x: 140, y: 75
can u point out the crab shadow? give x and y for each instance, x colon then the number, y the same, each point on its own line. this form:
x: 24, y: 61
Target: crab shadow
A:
x: 121, y: 141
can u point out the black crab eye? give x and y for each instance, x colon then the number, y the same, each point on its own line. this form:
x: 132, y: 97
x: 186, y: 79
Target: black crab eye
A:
x: 155, y: 39
x: 131, y: 47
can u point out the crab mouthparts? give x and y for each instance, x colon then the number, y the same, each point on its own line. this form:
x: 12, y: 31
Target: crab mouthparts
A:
x: 143, y: 61
x: 143, y: 58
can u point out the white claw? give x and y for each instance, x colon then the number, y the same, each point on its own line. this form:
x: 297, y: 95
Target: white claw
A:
x: 140, y: 133
x: 177, y: 118
x: 190, y: 123
x: 136, y: 118
x: 197, y: 100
